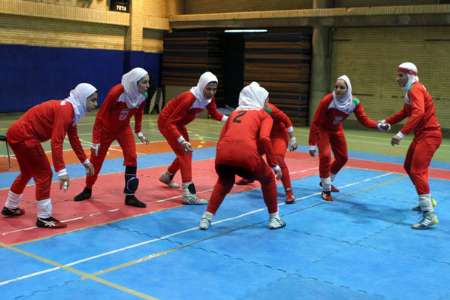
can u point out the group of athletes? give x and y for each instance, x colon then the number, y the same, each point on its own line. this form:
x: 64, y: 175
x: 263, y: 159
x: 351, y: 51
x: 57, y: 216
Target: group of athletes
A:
x: 254, y: 130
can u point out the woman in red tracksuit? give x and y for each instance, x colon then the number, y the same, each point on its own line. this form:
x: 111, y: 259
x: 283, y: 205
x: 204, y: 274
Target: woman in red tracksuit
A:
x: 112, y: 122
x: 282, y: 138
x: 172, y: 122
x: 327, y: 132
x: 50, y: 120
x: 421, y: 113
x: 237, y: 154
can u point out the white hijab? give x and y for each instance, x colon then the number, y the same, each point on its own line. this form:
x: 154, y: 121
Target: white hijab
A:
x: 252, y: 97
x: 78, y: 98
x: 131, y: 95
x: 410, y: 70
x: 200, y: 100
x: 343, y: 103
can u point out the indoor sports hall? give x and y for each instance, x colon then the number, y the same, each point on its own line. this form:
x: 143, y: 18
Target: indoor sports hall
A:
x: 360, y: 244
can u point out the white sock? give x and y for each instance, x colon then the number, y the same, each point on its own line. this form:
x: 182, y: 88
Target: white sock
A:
x: 207, y: 215
x: 425, y: 203
x: 13, y: 200
x: 326, y: 184
x: 186, y: 184
x: 186, y: 190
x: 44, y: 208
x: 275, y: 215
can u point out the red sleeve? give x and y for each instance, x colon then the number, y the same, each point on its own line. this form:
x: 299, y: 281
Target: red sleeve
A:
x: 138, y: 118
x: 264, y: 139
x: 417, y: 101
x: 97, y: 131
x: 212, y: 110
x: 184, y: 104
x: 106, y: 107
x: 363, y: 118
x: 319, y: 115
x: 72, y: 133
x: 397, y: 117
x: 224, y: 128
x: 62, y: 120
x: 279, y: 116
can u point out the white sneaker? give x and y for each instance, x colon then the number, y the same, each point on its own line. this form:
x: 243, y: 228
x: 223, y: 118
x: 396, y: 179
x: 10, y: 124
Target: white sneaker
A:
x: 276, y: 223
x: 429, y: 219
x: 167, y: 180
x: 205, y: 222
x: 191, y: 199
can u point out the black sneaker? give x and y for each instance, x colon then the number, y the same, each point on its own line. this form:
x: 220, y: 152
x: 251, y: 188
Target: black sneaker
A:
x: 12, y: 212
x: 50, y: 222
x: 84, y: 195
x: 131, y: 200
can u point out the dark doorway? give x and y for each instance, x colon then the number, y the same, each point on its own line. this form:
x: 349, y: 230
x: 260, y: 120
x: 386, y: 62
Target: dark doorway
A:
x: 233, y: 79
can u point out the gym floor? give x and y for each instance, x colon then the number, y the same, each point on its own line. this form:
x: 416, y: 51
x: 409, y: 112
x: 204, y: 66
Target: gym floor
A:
x: 359, y: 246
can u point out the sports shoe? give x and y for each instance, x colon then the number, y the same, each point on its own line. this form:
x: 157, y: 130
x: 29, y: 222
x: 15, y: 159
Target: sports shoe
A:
x: 333, y: 188
x: 326, y: 195
x: 50, y: 222
x: 429, y: 219
x: 205, y: 222
x: 290, y: 198
x: 190, y: 195
x: 84, y: 195
x: 191, y: 199
x: 131, y: 200
x: 276, y: 223
x: 167, y: 179
x: 418, y: 209
x: 244, y: 181
x: 12, y: 212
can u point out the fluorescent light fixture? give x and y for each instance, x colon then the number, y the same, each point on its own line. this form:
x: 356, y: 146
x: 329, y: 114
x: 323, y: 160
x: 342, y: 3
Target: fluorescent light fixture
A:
x: 244, y: 30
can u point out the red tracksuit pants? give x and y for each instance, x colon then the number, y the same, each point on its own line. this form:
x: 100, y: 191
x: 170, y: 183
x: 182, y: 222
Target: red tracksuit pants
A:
x: 261, y: 172
x: 34, y: 164
x: 183, y: 161
x: 419, y: 156
x: 126, y: 141
x: 331, y: 141
x: 279, y: 148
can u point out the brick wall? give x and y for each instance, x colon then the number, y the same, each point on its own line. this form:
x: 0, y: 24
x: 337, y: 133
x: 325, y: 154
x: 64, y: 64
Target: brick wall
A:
x: 370, y: 56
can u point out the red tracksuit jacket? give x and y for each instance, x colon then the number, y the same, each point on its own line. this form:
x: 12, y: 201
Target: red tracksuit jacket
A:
x: 421, y: 112
x: 179, y: 112
x: 49, y: 120
x: 281, y: 122
x: 331, y: 119
x: 240, y: 137
x: 115, y: 116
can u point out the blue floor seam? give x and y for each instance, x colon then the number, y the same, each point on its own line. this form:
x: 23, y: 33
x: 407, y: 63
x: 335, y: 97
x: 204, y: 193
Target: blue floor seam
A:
x: 47, y: 289
x: 195, y: 244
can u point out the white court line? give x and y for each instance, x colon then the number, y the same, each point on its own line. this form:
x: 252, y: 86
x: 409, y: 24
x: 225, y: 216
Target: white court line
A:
x: 90, y: 143
x: 63, y: 221
x: 95, y: 214
x: 209, y: 190
x: 383, y: 138
x: 110, y: 147
x: 165, y: 237
x: 117, y: 209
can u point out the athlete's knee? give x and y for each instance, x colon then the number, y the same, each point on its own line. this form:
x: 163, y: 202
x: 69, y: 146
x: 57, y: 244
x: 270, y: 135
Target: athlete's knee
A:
x: 131, y: 180
x: 342, y: 160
